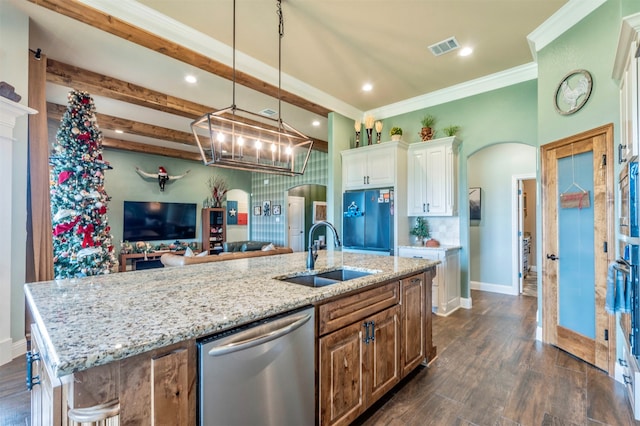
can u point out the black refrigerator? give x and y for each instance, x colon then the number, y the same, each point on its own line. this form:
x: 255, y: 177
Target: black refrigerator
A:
x: 367, y: 221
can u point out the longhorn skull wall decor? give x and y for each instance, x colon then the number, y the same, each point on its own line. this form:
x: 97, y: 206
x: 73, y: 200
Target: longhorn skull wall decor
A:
x: 162, y: 176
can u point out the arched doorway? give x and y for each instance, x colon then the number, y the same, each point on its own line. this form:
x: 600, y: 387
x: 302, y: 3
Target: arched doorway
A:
x: 493, y: 238
x: 302, y: 202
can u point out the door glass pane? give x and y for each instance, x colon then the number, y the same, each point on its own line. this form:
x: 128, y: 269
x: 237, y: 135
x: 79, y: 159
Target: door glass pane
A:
x: 576, y: 277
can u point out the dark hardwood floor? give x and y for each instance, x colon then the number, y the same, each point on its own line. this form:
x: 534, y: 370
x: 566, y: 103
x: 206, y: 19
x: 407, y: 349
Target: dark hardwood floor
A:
x: 490, y: 370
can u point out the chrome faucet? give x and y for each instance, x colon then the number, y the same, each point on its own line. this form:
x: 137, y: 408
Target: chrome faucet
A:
x: 313, y: 250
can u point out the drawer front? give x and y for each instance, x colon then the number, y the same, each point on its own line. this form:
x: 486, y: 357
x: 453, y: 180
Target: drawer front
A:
x: 347, y: 310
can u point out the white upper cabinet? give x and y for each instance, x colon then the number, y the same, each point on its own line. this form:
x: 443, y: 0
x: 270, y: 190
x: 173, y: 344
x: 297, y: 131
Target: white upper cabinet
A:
x: 372, y: 166
x: 626, y: 71
x: 432, y: 177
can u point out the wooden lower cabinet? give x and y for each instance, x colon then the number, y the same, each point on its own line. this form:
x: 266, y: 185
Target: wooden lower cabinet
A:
x: 154, y: 388
x: 355, y: 370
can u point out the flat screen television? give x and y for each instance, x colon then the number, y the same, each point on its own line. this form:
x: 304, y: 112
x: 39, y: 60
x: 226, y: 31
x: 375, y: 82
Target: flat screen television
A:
x: 153, y: 221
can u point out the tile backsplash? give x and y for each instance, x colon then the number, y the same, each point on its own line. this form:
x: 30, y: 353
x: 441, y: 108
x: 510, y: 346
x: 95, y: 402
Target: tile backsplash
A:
x: 444, y: 229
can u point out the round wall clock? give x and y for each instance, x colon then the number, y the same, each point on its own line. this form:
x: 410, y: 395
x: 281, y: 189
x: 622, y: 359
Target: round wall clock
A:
x: 573, y: 92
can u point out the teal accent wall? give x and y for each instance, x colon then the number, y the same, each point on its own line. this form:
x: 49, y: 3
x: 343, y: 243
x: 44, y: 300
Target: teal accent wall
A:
x: 123, y: 183
x: 267, y: 187
x: 504, y: 115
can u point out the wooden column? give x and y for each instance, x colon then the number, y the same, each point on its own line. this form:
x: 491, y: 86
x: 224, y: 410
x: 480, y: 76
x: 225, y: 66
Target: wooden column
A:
x: 39, y: 241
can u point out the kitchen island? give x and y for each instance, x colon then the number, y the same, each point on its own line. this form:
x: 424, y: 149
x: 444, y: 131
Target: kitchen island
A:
x: 95, y: 323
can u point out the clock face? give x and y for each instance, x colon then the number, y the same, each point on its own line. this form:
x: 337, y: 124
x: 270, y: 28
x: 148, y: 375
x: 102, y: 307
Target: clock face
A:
x: 573, y: 92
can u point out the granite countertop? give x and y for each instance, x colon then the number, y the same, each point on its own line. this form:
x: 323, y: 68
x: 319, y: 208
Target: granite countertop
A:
x: 96, y: 320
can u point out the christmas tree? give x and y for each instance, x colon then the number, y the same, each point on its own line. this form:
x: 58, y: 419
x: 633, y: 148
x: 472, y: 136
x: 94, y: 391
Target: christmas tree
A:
x: 81, y: 234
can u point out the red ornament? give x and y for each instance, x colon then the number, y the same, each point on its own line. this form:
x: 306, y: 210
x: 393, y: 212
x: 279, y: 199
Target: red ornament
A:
x: 87, y: 241
x: 64, y: 176
x: 84, y: 136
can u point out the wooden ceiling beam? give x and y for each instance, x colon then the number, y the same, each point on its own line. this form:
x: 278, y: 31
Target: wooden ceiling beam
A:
x: 98, y: 84
x: 119, y: 144
x: 112, y: 25
x: 55, y: 111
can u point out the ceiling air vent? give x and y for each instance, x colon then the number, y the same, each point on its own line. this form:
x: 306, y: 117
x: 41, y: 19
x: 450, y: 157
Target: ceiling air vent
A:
x: 268, y: 112
x: 444, y: 46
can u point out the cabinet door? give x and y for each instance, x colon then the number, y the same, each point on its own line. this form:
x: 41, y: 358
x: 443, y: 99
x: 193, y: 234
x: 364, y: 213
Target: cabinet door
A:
x: 46, y: 397
x: 417, y: 183
x: 354, y: 171
x: 452, y: 279
x: 381, y: 167
x: 340, y: 376
x: 413, y: 320
x: 436, y: 180
x: 383, y: 353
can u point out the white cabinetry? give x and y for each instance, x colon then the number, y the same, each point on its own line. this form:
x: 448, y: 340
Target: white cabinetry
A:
x: 626, y: 71
x: 372, y: 166
x: 432, y: 177
x: 445, y: 290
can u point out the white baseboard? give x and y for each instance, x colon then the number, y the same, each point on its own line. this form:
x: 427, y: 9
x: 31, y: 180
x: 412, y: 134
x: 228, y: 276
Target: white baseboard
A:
x: 19, y: 348
x: 5, y: 351
x: 493, y: 288
x: 466, y: 303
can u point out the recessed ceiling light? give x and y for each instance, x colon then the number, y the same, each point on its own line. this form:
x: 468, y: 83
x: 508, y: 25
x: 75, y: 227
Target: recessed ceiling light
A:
x: 191, y: 79
x: 466, y: 51
x: 367, y: 87
x: 315, y: 123
x: 119, y: 131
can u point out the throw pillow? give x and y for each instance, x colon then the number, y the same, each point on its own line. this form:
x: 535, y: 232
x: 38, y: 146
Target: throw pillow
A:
x: 188, y: 252
x: 268, y: 247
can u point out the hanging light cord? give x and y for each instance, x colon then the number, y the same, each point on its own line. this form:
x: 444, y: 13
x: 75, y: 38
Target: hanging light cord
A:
x: 280, y: 36
x: 234, y: 59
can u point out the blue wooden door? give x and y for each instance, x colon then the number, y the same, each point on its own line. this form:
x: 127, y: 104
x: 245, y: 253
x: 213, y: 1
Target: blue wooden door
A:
x: 577, y: 216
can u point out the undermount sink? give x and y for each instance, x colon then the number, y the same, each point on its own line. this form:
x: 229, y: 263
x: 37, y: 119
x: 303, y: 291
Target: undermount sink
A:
x: 326, y: 278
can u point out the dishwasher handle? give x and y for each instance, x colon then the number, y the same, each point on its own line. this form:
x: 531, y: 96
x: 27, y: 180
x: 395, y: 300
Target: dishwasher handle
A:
x: 261, y: 334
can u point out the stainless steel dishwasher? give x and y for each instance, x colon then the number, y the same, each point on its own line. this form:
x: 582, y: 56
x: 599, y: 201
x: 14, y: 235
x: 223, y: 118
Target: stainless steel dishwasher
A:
x: 259, y: 374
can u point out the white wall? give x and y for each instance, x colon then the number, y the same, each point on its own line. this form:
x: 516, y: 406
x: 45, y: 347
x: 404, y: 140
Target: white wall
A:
x: 14, y: 33
x: 490, y: 250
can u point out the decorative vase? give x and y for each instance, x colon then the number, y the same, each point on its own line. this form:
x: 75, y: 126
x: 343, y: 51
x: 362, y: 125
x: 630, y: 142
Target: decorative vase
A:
x: 378, y: 139
x: 357, y: 139
x: 432, y: 243
x: 426, y: 134
x: 369, y: 136
x: 395, y: 137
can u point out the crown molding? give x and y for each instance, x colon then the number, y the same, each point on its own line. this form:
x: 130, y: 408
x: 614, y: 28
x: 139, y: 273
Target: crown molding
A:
x: 629, y: 31
x: 463, y: 90
x: 566, y: 17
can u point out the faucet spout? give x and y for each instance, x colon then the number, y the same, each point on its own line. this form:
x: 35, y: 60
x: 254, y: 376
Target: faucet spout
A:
x: 313, y: 250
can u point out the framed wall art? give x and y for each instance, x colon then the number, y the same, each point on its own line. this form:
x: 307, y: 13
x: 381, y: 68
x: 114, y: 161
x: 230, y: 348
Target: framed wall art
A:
x: 276, y: 209
x: 475, y: 203
x: 319, y: 211
x: 257, y: 210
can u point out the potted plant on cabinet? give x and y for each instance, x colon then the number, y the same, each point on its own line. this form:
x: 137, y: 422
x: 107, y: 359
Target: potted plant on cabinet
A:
x: 428, y: 121
x: 420, y: 230
x: 395, y: 133
x: 451, y: 130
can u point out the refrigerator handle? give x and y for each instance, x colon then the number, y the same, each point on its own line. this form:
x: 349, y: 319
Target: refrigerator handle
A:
x: 364, y: 180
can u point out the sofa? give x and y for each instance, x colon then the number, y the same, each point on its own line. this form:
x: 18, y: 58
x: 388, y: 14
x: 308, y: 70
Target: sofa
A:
x: 235, y: 251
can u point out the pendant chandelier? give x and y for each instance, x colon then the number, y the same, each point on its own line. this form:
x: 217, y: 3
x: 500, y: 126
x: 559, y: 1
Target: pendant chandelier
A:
x: 237, y: 139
